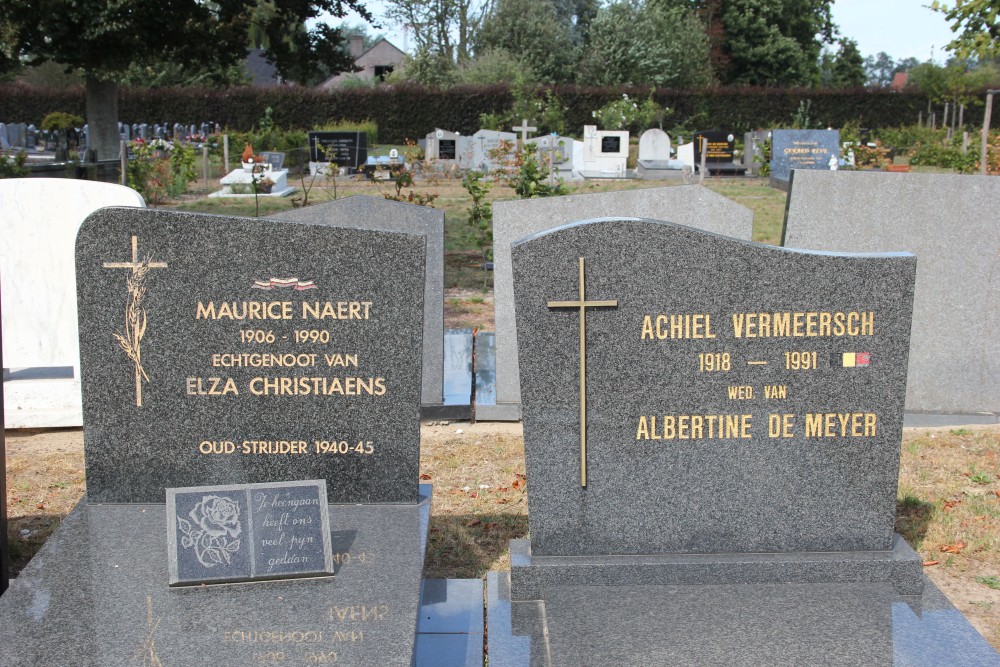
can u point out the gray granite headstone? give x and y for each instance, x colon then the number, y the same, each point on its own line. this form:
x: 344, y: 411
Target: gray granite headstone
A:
x: 950, y: 223
x: 378, y: 213
x: 485, y: 141
x: 802, y: 149
x: 717, y: 398
x: 691, y: 205
x: 221, y: 350
x: 248, y: 532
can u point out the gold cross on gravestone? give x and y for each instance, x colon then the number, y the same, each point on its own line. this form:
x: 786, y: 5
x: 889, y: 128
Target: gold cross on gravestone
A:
x: 583, y: 304
x: 135, y: 315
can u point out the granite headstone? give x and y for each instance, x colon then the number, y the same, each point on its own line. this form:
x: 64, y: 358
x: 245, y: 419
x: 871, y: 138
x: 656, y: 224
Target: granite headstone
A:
x: 691, y: 205
x: 702, y: 409
x: 720, y: 152
x: 345, y: 149
x: 804, y: 150
x: 233, y: 350
x: 378, y: 213
x: 950, y: 223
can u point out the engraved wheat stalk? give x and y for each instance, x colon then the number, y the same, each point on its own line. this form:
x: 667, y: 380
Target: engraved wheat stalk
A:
x: 135, y: 323
x: 147, y: 650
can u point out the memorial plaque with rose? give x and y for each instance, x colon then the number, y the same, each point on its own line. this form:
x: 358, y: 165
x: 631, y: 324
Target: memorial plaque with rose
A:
x: 248, y: 532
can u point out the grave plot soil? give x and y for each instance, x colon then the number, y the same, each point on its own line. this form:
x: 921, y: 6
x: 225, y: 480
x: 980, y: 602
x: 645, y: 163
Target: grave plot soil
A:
x: 948, y: 507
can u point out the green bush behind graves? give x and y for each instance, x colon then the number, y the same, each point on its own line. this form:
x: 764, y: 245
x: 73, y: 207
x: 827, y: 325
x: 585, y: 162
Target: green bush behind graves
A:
x: 405, y: 111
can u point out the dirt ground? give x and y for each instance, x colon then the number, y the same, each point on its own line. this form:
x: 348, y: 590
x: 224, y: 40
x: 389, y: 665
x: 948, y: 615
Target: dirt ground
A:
x: 480, y: 501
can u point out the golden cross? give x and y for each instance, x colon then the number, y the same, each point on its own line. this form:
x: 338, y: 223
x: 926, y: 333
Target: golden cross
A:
x: 583, y: 304
x: 135, y: 315
x: 134, y: 264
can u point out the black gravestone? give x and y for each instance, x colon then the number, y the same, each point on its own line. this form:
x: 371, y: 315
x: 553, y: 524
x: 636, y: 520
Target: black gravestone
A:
x: 721, y: 150
x: 345, y: 149
x: 803, y: 149
x: 248, y: 532
x: 611, y: 144
x: 234, y: 350
x: 447, y: 149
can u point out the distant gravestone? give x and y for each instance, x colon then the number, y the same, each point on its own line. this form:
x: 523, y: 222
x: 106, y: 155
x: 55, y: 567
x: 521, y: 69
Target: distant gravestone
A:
x: 274, y: 158
x: 753, y: 150
x: 720, y: 151
x: 248, y: 532
x: 442, y: 146
x: 692, y: 205
x: 654, y: 145
x: 267, y: 350
x: 689, y: 394
x: 345, y: 149
x: 950, y: 223
x: 378, y: 213
x: 40, y: 218
x: 4, y: 141
x: 802, y: 149
x: 605, y: 153
x: 485, y: 141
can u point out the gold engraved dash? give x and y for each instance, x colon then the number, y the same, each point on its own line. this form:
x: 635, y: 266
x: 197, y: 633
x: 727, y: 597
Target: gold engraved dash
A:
x: 135, y: 315
x: 583, y: 304
x: 756, y: 363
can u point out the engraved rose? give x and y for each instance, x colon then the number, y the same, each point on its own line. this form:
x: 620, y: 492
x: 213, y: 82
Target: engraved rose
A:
x: 214, y: 531
x: 217, y: 516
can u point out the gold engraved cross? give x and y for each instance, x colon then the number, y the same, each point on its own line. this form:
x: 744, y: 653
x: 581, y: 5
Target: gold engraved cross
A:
x: 583, y: 304
x: 135, y: 314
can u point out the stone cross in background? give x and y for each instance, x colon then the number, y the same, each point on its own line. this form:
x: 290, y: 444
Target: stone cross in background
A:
x: 524, y: 128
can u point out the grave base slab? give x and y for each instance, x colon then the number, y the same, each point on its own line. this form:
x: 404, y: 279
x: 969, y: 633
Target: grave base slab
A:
x: 832, y: 624
x: 532, y: 576
x: 97, y: 595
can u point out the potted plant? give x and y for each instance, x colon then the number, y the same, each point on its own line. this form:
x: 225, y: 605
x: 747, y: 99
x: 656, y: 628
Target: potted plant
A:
x: 265, y: 185
x: 247, y: 158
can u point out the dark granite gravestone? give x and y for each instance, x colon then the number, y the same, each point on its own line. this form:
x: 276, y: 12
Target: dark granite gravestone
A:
x: 739, y: 399
x: 712, y: 432
x: 720, y: 154
x: 274, y: 158
x: 802, y: 149
x: 168, y: 285
x: 447, y: 149
x: 345, y: 149
x: 246, y: 532
x: 234, y: 350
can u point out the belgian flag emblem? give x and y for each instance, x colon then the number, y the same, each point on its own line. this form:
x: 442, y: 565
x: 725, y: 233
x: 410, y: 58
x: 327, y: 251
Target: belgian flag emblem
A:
x: 850, y: 359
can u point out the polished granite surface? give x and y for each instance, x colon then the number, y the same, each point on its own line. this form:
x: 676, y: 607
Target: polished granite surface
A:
x: 97, y: 596
x: 757, y: 624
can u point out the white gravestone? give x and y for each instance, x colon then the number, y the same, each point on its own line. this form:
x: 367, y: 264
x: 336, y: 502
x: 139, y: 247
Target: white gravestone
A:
x: 605, y: 153
x: 654, y: 145
x: 442, y: 147
x: 485, y: 141
x: 39, y: 218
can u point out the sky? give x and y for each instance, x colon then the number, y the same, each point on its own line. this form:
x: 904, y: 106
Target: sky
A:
x: 901, y: 28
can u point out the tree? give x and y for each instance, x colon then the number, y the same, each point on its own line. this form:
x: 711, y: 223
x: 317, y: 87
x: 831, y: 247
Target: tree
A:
x: 105, y: 39
x: 774, y: 42
x: 647, y: 42
x: 441, y: 26
x: 848, y: 66
x: 977, y: 23
x: 532, y: 30
x: 879, y: 69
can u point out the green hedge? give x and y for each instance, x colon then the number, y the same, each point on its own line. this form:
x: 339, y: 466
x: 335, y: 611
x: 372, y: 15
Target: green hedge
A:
x: 403, y: 112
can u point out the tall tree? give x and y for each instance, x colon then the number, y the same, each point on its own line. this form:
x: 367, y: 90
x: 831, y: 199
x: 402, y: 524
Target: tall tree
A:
x: 105, y: 39
x: 879, y: 69
x: 848, y: 65
x: 441, y: 26
x: 647, y: 42
x: 775, y: 42
x: 977, y: 23
x: 531, y: 29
